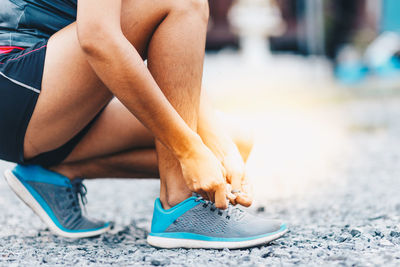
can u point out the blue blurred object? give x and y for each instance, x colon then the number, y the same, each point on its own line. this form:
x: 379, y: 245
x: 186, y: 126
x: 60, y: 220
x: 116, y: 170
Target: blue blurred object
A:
x: 350, y: 66
x: 390, y: 68
x: 390, y: 16
x: 351, y: 73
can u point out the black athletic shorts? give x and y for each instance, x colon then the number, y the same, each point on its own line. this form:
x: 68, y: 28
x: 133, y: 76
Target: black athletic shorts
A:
x: 21, y: 72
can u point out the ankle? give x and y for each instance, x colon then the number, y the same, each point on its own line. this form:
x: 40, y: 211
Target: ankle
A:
x: 171, y: 200
x: 65, y: 170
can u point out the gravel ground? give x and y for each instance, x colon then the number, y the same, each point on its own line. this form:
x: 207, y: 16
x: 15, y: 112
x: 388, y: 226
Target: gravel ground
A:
x: 352, y: 219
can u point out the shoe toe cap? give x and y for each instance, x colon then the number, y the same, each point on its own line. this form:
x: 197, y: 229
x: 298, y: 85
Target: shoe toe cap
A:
x: 89, y: 224
x: 262, y: 226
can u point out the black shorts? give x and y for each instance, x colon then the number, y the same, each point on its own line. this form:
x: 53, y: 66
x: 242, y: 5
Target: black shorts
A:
x: 21, y: 74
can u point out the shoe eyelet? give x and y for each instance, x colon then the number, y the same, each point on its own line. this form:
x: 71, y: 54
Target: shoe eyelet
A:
x: 220, y: 213
x: 228, y: 217
x: 212, y: 209
x: 205, y: 205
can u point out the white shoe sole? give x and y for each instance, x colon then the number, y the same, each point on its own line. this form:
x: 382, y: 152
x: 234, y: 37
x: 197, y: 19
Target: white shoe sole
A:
x: 29, y: 200
x: 165, y: 242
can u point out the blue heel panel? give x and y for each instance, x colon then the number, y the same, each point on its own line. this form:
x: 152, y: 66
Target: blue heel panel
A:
x: 36, y: 173
x: 163, y: 218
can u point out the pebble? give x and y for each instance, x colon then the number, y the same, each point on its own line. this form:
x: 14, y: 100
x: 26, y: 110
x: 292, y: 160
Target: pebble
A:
x: 355, y: 233
x: 155, y: 262
x: 394, y: 234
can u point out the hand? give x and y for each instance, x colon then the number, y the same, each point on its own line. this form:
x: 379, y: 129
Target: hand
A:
x: 236, y: 177
x: 204, y: 174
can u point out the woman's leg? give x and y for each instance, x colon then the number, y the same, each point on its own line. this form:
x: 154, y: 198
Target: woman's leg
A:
x: 181, y: 85
x: 136, y: 163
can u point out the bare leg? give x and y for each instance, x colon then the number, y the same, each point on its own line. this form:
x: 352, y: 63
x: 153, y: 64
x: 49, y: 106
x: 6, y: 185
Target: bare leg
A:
x: 181, y: 85
x: 138, y: 163
x: 72, y: 91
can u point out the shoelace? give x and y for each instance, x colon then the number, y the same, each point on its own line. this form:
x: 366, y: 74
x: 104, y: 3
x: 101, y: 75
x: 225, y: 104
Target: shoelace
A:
x: 231, y: 211
x: 80, y: 190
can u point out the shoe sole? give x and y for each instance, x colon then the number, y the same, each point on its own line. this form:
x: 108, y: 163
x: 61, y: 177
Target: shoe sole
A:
x: 31, y: 202
x: 165, y: 242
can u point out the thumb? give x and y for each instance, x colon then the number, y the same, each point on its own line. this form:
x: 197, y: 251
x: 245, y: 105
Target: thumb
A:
x: 245, y: 198
x: 235, y: 188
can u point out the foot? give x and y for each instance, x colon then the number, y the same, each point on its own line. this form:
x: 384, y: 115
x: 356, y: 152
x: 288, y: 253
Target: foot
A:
x: 54, y: 198
x: 196, y: 223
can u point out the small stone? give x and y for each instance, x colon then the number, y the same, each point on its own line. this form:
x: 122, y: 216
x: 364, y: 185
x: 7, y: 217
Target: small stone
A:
x: 378, y: 233
x: 155, y: 262
x: 266, y: 255
x: 394, y: 234
x: 355, y: 233
x: 341, y: 239
x: 246, y: 258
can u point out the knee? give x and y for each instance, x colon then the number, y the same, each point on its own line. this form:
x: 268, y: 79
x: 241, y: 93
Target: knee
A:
x: 194, y: 7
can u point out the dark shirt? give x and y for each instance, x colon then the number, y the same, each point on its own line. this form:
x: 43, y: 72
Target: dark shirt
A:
x: 26, y: 22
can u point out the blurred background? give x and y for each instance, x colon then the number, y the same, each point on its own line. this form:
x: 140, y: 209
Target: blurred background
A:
x: 309, y: 78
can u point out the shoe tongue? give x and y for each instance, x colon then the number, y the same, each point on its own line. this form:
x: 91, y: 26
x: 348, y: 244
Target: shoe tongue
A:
x: 76, y: 181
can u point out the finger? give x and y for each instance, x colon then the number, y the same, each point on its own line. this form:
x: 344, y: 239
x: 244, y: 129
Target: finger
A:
x: 244, y: 200
x: 220, y: 198
x: 203, y: 194
x: 229, y: 194
x: 246, y: 197
x: 236, y: 184
x: 233, y: 201
x: 210, y: 196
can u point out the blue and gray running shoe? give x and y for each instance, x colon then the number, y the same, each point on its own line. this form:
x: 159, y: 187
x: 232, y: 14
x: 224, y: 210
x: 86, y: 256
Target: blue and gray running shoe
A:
x: 55, y: 199
x: 197, y: 223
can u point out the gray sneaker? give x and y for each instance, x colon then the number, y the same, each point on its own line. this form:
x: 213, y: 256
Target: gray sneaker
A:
x: 55, y: 200
x: 197, y: 223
